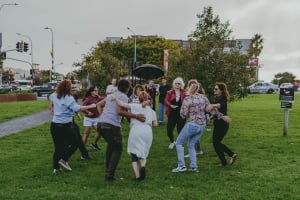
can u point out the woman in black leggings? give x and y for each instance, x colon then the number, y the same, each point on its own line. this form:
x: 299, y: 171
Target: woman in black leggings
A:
x: 220, y: 126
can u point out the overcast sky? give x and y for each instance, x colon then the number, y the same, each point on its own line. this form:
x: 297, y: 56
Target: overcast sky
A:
x: 79, y: 24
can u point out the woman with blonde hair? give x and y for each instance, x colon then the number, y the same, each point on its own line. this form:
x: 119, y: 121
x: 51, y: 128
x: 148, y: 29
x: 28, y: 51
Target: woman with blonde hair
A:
x: 140, y: 135
x: 193, y: 110
x: 173, y: 102
x: 201, y: 90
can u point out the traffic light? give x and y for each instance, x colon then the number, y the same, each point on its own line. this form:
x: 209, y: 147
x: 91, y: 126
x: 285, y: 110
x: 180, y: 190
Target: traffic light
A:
x: 3, y: 55
x: 19, y: 46
x: 25, y: 47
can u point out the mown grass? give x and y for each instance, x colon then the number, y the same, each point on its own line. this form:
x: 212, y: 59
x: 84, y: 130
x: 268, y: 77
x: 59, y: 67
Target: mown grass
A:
x: 11, y: 110
x: 266, y: 168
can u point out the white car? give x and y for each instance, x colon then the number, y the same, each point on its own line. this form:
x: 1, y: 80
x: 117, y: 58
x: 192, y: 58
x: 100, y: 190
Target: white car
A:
x: 263, y: 87
x: 286, y: 85
x: 25, y: 88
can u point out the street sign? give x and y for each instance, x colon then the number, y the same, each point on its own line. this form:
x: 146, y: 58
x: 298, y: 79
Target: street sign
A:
x: 285, y: 104
x: 286, y: 94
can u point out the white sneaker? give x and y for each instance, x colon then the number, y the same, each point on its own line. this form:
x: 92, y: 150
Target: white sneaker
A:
x: 197, y: 153
x: 194, y: 169
x: 179, y: 169
x: 65, y: 164
x: 56, y: 171
x: 171, y: 145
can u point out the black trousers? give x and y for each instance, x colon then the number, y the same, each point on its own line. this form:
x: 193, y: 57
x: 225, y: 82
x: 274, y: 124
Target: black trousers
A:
x: 65, y: 143
x: 219, y: 132
x: 80, y: 144
x: 173, y: 120
x: 112, y: 135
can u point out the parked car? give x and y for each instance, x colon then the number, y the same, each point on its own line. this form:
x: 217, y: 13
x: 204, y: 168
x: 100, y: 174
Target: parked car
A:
x: 24, y: 88
x: 286, y: 85
x: 4, y: 89
x: 262, y: 87
x: 44, y: 89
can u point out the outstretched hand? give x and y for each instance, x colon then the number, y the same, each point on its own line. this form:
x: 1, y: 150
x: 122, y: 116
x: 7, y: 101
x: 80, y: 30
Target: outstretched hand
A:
x: 226, y: 118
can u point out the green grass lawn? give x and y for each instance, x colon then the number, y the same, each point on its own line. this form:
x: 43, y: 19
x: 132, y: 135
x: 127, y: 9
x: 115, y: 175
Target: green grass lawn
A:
x: 11, y: 110
x: 267, y: 166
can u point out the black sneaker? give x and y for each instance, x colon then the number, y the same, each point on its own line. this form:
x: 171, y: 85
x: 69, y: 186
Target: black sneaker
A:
x: 142, y: 173
x: 86, y: 157
x: 111, y: 178
x: 95, y: 147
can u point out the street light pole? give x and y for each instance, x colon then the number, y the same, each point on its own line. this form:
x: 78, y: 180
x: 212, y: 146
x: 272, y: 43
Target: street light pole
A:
x: 8, y: 4
x: 52, y: 53
x: 1, y: 62
x: 134, y: 59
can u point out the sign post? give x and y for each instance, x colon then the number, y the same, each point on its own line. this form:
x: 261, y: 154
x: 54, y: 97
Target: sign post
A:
x: 286, y: 96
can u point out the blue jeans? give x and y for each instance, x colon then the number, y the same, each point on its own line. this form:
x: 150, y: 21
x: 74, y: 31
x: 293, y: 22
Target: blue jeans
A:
x: 191, y: 132
x: 161, y: 112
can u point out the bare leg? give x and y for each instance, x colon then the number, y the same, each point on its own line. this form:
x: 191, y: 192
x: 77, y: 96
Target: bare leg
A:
x: 86, y: 134
x: 143, y: 169
x: 136, y: 169
x: 97, y: 136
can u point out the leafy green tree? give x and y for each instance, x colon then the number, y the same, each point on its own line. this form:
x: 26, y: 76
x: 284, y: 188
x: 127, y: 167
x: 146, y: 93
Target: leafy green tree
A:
x: 213, y: 55
x: 111, y: 60
x: 99, y: 67
x: 284, y: 77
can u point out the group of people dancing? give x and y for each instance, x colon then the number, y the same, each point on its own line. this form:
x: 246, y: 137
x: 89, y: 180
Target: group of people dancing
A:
x: 186, y: 109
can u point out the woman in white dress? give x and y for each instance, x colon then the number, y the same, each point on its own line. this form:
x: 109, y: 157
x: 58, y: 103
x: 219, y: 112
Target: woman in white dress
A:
x: 140, y: 135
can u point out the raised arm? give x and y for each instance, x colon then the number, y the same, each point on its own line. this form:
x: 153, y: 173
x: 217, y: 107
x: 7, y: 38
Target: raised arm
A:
x: 119, y: 102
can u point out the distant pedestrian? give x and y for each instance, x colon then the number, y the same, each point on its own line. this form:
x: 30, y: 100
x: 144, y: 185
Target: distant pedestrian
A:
x: 62, y: 128
x: 134, y: 98
x: 163, y: 89
x: 151, y: 90
x: 295, y: 85
x: 112, y: 88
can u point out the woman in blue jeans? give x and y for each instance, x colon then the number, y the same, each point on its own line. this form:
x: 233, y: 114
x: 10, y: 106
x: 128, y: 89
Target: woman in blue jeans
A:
x: 193, y: 110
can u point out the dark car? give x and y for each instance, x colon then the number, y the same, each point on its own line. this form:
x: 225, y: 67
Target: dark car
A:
x: 4, y: 89
x: 44, y: 89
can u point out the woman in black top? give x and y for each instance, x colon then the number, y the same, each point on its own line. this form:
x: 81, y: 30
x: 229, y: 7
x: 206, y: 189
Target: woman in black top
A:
x: 220, y: 126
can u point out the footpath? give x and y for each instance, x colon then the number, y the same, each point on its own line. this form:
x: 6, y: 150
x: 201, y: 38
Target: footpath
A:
x: 22, y: 123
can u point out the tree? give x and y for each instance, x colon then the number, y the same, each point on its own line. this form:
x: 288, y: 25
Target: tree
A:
x: 111, y: 60
x: 284, y: 77
x: 213, y: 55
x: 99, y: 66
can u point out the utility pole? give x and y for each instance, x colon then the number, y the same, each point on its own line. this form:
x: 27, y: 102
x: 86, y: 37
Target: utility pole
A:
x: 52, y: 53
x: 134, y: 58
x: 1, y: 60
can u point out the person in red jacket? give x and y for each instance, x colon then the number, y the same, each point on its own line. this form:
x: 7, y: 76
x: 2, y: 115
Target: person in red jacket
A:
x: 173, y: 102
